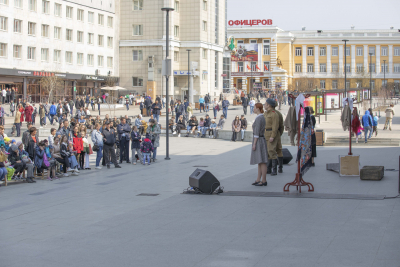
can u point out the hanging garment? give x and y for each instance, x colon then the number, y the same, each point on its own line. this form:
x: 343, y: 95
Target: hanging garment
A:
x: 304, y: 153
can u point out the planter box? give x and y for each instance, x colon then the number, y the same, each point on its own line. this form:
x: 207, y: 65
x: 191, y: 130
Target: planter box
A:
x: 374, y: 173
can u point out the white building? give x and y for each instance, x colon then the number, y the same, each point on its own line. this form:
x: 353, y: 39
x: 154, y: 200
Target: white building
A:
x: 76, y: 40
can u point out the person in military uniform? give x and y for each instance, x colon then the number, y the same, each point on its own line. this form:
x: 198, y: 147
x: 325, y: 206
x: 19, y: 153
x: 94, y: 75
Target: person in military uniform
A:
x: 279, y: 144
x: 272, y: 134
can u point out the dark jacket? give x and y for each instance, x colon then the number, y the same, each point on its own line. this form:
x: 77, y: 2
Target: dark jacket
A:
x: 193, y: 123
x: 13, y: 157
x: 39, y: 157
x: 245, y: 102
x: 135, y: 137
x: 207, y: 122
x: 147, y: 102
x: 181, y: 123
x: 180, y: 109
x: 123, y: 129
x: 109, y: 136
x: 87, y: 99
x: 156, y: 108
x: 64, y: 150
x: 243, y: 123
x: 78, y: 104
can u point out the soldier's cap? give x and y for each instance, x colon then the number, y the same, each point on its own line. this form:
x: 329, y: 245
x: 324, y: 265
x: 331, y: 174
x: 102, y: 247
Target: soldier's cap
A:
x: 271, y: 102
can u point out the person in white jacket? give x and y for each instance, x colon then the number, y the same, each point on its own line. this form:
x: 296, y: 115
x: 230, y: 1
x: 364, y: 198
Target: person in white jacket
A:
x: 389, y: 116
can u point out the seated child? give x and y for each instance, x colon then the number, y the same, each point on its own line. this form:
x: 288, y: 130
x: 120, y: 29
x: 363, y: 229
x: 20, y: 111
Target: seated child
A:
x: 213, y: 126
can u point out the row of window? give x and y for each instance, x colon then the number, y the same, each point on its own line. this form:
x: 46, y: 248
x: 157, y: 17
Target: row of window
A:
x: 359, y: 51
x: 45, y: 32
x: 322, y: 84
x: 80, y: 13
x: 359, y: 68
x: 137, y: 5
x: 44, y: 56
x: 137, y: 30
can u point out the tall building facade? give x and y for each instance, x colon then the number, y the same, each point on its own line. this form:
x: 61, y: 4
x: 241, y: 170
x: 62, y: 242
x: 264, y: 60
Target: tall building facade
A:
x: 198, y: 25
x: 76, y: 41
x: 269, y: 58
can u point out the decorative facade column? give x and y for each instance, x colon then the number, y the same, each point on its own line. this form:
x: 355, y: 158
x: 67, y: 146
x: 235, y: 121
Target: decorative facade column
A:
x: 316, y: 59
x: 366, y: 58
x: 24, y: 88
x: 304, y: 58
x: 341, y: 70
x: 353, y: 60
x: 378, y: 59
x: 328, y: 60
x: 390, y: 67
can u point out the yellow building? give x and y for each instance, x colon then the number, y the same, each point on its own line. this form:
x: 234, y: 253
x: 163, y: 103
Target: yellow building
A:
x: 305, y: 60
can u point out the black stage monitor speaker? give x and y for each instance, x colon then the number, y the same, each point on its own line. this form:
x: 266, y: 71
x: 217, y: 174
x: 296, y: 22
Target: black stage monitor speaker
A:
x: 204, y: 181
x: 287, y: 156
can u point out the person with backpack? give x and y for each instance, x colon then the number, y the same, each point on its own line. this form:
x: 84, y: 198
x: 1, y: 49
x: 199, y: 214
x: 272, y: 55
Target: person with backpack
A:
x: 201, y: 102
x: 146, y: 148
x: 375, y: 122
x: 367, y: 123
x: 53, y: 112
x: 207, y: 103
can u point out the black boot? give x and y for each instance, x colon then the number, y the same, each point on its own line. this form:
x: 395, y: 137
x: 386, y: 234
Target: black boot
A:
x: 274, y: 165
x: 269, y: 166
x: 280, y: 162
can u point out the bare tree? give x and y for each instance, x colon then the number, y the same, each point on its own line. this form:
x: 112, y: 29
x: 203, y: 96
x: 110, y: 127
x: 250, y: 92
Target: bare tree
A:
x: 304, y: 84
x: 52, y: 85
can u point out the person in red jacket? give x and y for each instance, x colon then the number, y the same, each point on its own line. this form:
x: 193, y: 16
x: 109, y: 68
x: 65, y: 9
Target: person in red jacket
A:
x: 28, y: 112
x: 78, y: 146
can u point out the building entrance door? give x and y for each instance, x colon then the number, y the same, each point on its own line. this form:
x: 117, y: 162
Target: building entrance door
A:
x: 265, y: 83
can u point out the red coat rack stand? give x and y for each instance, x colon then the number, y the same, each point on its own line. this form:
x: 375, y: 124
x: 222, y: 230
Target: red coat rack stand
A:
x: 298, y: 181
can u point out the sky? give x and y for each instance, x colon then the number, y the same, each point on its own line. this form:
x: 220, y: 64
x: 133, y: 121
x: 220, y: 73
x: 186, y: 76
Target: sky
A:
x: 319, y: 14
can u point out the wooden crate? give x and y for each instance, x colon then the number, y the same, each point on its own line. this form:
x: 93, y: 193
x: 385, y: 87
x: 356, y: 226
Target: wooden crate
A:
x: 374, y: 173
x: 234, y: 102
x: 320, y: 138
x: 197, y: 105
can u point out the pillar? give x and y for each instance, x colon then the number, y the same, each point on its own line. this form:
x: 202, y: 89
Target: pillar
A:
x: 24, y: 89
x: 304, y: 58
x: 366, y: 59
x: 328, y: 59
x: 316, y: 59
x: 341, y: 70
x: 353, y: 60
x: 377, y: 59
x: 390, y: 66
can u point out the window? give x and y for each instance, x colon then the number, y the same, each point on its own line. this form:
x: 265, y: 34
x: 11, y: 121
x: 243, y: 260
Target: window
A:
x: 298, y: 68
x: 266, y: 47
x: 396, y: 68
x: 372, y: 85
x: 347, y: 68
x: 32, y: 5
x: 3, y: 50
x: 310, y: 51
x: 322, y: 84
x: 57, y: 10
x: 69, y: 11
x: 45, y: 54
x: 68, y: 35
x: 31, y: 28
x: 204, y: 25
x: 334, y: 51
x: 253, y: 65
x: 347, y: 51
x: 372, y: 67
x: 176, y: 31
x: 3, y: 23
x: 100, y: 19
x: 137, y: 30
x: 253, y: 41
x: 68, y: 57
x: 90, y: 38
x: 176, y: 56
x: 384, y: 68
x: 310, y: 67
x: 57, y: 56
x: 57, y: 33
x: 359, y: 51
x: 136, y: 81
x: 240, y: 66
x: 31, y: 53
x: 397, y: 50
x: 4, y: 2
x: 240, y: 41
x: 80, y: 15
x: 360, y: 68
x: 79, y: 37
x: 204, y: 5
x: 110, y: 22
x: 137, y: 55
x: 322, y: 67
x: 45, y: 30
x: 334, y: 84
x: 266, y: 66
x: 335, y: 67
x: 91, y: 17
x: 176, y: 6
x: 204, y: 75
x: 110, y: 42
x: 100, y: 41
x: 79, y: 58
x: 17, y: 51
x: 204, y: 53
x: 138, y: 5
x: 45, y: 7
x: 384, y: 50
x: 322, y: 51
x: 347, y: 84
x: 100, y: 61
x: 298, y: 51
x: 372, y: 50
x: 17, y: 25
x: 90, y: 60
x: 109, y: 62
x: 17, y: 3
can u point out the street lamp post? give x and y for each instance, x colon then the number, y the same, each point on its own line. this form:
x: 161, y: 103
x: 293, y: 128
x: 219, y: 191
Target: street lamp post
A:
x: 190, y: 94
x: 345, y: 67
x: 167, y: 9
x: 370, y: 80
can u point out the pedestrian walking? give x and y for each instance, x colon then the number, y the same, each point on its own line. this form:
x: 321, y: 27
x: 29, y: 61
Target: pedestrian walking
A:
x: 17, y: 122
x: 389, y: 116
x: 355, y: 124
x: 207, y: 103
x: 375, y: 121
x: 12, y: 107
x: 2, y: 115
x: 109, y: 137
x: 154, y: 131
x: 259, y: 148
x: 156, y: 110
x: 124, y: 134
x: 97, y: 140
x: 135, y: 146
x: 252, y: 104
x: 215, y: 107
x: 367, y: 124
x: 245, y: 103
x: 225, y: 105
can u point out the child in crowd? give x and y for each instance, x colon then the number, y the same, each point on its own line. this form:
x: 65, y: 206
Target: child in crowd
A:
x: 213, y: 126
x: 7, y: 143
x: 146, y: 148
x: 135, y: 146
x: 86, y: 150
x: 201, y: 126
x: 375, y: 125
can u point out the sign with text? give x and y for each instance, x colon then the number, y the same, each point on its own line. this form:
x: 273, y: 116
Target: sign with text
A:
x: 185, y: 72
x: 248, y: 74
x: 251, y: 22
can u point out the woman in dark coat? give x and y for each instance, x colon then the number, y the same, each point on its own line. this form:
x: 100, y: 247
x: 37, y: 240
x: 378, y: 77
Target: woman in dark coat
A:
x: 16, y: 161
x: 32, y: 142
x: 135, y: 146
